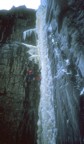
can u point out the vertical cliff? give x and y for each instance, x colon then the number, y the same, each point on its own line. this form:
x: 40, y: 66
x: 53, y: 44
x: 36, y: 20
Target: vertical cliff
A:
x: 60, y: 28
x: 54, y: 47
x: 18, y: 104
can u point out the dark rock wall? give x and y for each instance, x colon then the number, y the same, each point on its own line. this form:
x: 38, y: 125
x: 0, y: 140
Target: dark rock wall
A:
x: 65, y: 33
x: 18, y: 108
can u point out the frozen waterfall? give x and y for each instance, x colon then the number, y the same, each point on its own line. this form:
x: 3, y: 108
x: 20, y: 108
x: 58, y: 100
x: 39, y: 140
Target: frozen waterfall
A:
x: 46, y: 123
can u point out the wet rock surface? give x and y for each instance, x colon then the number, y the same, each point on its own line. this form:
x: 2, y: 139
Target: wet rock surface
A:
x: 61, y: 114
x: 65, y: 42
x: 18, y: 105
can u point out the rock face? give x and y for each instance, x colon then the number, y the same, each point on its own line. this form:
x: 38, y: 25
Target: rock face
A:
x: 18, y: 105
x: 60, y: 42
x: 59, y: 110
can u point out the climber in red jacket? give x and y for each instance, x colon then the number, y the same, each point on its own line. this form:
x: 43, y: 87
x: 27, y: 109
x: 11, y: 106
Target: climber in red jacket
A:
x: 30, y: 77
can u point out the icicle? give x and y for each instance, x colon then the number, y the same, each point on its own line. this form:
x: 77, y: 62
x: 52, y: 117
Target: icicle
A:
x: 24, y: 35
x: 28, y: 33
